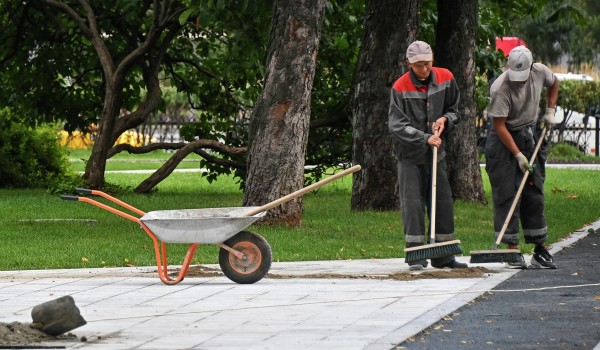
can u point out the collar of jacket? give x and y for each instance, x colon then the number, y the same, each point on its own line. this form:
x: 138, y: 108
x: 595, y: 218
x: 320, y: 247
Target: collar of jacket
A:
x: 418, y: 83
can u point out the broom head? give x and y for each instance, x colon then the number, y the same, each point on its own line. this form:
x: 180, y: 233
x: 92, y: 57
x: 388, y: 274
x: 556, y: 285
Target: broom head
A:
x: 432, y: 251
x: 496, y: 255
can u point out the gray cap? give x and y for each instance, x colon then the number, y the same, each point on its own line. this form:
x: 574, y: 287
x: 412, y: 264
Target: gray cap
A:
x: 419, y: 51
x: 519, y: 63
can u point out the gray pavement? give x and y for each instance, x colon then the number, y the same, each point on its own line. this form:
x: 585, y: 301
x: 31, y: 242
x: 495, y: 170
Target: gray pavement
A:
x: 534, y: 309
x: 129, y: 308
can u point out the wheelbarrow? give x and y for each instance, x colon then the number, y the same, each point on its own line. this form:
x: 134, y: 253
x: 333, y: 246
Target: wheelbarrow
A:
x: 244, y: 257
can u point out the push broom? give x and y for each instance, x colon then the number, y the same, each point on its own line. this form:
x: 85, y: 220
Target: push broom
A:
x: 507, y: 255
x: 432, y: 250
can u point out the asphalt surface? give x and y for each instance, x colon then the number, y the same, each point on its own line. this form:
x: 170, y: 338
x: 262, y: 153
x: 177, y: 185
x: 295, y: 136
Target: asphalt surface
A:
x: 533, y: 309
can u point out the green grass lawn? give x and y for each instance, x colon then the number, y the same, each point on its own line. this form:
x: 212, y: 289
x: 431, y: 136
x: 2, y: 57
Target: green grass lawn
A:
x: 126, y: 161
x: 40, y: 231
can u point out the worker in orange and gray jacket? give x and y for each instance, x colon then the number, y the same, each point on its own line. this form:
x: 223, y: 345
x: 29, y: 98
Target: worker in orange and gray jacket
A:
x: 423, y: 109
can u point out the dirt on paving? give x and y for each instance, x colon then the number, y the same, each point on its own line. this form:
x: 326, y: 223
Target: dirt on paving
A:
x: 471, y: 272
x: 17, y: 334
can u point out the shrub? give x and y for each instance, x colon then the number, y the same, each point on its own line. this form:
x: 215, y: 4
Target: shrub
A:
x: 563, y: 152
x: 30, y: 157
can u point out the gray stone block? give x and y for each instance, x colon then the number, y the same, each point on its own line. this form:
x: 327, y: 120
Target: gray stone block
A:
x: 57, y: 316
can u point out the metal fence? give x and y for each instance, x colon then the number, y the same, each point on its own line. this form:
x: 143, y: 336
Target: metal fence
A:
x: 580, y: 135
x: 163, y: 128
x: 583, y: 136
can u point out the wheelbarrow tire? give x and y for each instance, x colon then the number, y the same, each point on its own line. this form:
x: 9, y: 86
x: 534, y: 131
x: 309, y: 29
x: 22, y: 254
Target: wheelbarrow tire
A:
x: 254, y: 266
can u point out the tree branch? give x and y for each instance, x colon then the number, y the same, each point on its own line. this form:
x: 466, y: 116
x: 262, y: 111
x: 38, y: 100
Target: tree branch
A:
x: 90, y: 32
x: 73, y: 14
x: 153, y: 97
x: 193, y: 146
x: 185, y: 149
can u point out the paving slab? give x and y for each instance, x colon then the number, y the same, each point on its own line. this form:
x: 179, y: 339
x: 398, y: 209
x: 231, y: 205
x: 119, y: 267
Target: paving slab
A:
x: 129, y: 308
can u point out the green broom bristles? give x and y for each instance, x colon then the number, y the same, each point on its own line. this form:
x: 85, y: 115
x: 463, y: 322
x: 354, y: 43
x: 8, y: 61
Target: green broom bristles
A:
x: 496, y: 255
x: 432, y: 251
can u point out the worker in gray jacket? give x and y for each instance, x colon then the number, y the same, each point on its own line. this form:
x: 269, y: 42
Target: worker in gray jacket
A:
x: 514, y: 109
x: 423, y: 109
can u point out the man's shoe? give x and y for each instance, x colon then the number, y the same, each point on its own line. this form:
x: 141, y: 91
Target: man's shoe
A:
x: 520, y: 264
x: 418, y: 265
x: 542, y: 259
x: 452, y: 265
x: 517, y: 265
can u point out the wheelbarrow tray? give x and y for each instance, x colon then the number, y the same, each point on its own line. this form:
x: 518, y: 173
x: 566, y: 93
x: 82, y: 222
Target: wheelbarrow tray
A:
x: 204, y: 226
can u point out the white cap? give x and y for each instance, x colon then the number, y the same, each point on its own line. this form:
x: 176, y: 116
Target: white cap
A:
x: 419, y: 51
x: 519, y: 63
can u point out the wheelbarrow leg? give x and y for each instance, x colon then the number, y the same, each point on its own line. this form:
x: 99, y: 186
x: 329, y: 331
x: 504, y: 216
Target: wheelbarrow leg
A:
x: 162, y: 263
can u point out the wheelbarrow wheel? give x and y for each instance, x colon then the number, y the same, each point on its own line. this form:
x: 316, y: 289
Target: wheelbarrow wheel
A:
x: 256, y: 262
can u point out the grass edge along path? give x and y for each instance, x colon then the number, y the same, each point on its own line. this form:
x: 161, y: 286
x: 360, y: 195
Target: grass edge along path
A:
x: 41, y: 231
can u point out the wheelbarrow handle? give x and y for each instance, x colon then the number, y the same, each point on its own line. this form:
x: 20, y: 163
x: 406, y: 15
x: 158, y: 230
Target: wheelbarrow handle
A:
x: 104, y: 195
x: 302, y: 191
x: 70, y: 198
x: 84, y: 191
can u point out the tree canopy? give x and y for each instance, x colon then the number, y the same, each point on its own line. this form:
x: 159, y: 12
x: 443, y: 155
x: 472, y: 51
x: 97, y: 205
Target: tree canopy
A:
x: 108, y: 63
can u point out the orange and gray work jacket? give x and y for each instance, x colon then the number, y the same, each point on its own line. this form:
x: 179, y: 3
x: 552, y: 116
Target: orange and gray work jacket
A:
x: 414, y: 107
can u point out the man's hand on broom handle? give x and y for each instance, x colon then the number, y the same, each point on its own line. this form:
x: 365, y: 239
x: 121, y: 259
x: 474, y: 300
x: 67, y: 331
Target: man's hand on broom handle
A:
x: 437, y: 127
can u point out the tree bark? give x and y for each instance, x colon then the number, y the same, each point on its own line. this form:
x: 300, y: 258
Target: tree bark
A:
x: 281, y: 115
x: 389, y: 27
x: 455, y: 49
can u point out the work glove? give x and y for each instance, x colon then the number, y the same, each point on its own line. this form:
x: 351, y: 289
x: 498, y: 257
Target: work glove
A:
x: 523, y: 162
x: 548, y: 118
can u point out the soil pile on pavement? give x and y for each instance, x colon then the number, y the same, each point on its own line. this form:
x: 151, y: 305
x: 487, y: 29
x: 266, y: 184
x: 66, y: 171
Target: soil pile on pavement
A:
x: 21, y: 334
x: 472, y: 272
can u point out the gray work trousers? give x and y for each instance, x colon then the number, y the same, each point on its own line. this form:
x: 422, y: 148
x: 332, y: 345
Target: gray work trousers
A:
x: 415, y: 199
x: 506, y: 176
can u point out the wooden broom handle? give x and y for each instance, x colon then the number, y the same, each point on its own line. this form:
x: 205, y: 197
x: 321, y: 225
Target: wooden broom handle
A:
x: 433, y: 194
x: 521, y: 186
x: 300, y: 192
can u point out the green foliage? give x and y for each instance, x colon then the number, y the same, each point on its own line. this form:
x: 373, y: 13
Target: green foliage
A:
x: 482, y: 93
x: 235, y: 49
x: 495, y: 19
x: 229, y: 43
x: 563, y: 152
x: 561, y: 30
x: 492, y: 23
x: 29, y: 157
x: 330, y: 143
x: 579, y: 96
x: 217, y: 60
x: 50, y: 71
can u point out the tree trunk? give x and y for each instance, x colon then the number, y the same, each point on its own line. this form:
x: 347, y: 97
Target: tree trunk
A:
x: 281, y: 116
x: 389, y: 27
x: 455, y: 49
x: 96, y: 165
